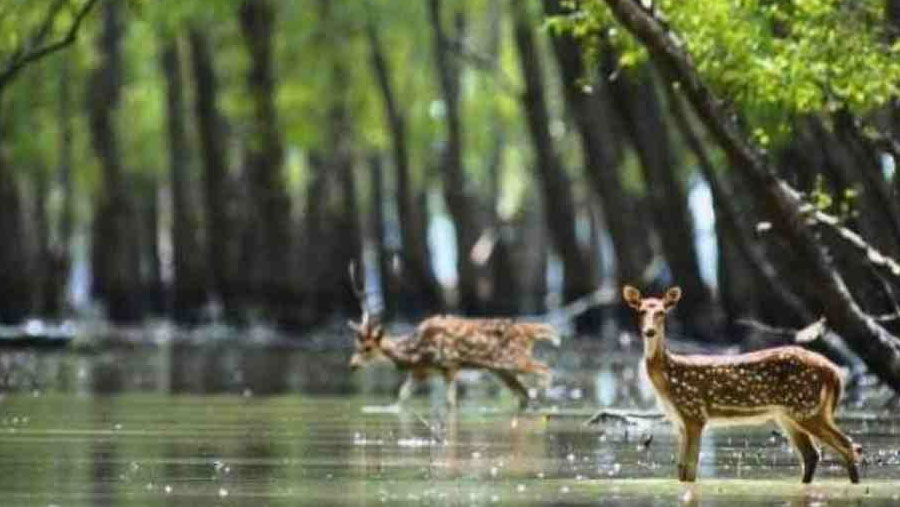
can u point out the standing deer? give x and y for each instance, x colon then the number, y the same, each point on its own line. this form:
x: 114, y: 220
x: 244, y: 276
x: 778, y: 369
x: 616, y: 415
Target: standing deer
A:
x: 447, y: 344
x: 796, y: 388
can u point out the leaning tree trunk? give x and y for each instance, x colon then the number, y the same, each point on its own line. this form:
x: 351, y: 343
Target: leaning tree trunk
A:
x: 220, y: 252
x: 116, y: 270
x: 728, y: 222
x: 876, y: 346
x: 264, y: 160
x: 594, y: 124
x: 417, y: 279
x: 458, y: 204
x: 558, y: 204
x: 189, y: 293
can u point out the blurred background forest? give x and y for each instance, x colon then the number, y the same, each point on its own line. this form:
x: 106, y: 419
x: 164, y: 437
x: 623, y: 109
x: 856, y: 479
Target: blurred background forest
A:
x: 226, y: 161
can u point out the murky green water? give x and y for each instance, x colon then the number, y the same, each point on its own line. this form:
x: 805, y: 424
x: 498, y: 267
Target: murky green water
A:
x: 225, y: 426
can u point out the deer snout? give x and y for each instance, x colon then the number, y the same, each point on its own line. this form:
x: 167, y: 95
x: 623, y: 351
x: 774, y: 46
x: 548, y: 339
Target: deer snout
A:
x: 355, y: 362
x: 650, y: 332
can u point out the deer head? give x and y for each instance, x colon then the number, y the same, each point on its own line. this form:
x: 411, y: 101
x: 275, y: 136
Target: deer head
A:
x: 368, y: 330
x: 651, y: 310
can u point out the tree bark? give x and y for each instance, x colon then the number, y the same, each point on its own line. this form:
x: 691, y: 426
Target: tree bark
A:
x: 189, y: 292
x: 378, y: 229
x: 220, y: 253
x: 458, y: 203
x: 876, y: 346
x: 264, y: 161
x: 558, y: 204
x: 417, y: 279
x: 116, y: 270
x: 594, y: 124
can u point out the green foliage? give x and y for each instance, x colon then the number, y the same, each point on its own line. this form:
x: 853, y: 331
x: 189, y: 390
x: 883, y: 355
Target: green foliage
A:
x: 774, y: 59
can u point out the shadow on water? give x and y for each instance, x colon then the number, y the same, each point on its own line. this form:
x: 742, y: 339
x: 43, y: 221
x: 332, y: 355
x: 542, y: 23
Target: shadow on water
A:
x: 232, y: 424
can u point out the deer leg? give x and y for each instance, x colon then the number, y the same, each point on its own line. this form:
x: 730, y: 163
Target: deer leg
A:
x: 406, y: 390
x: 689, y: 456
x: 515, y: 385
x: 543, y: 370
x: 825, y: 430
x: 450, y: 379
x: 805, y: 447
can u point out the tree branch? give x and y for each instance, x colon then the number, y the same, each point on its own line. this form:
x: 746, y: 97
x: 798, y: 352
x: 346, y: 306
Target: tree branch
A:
x: 873, y: 343
x: 22, y: 57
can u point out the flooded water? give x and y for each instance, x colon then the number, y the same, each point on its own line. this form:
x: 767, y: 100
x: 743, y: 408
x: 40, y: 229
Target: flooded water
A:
x: 258, y: 425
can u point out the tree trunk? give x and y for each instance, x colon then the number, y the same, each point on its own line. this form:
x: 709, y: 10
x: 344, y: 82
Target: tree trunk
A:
x: 116, y: 270
x: 264, y: 161
x: 878, y: 348
x: 503, y: 296
x: 876, y: 189
x: 728, y: 223
x: 148, y: 252
x: 14, y: 279
x: 189, y: 293
x: 417, y: 279
x: 378, y: 229
x: 220, y: 253
x: 594, y: 124
x: 61, y: 251
x: 558, y: 204
x: 458, y: 203
x: 639, y: 108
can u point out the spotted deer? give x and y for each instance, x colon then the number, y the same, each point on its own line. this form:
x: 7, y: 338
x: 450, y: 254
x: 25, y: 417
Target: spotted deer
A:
x: 446, y: 344
x: 796, y: 388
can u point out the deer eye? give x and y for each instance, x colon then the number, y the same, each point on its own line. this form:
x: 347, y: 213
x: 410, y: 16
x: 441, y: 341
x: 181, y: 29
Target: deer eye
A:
x: 642, y: 312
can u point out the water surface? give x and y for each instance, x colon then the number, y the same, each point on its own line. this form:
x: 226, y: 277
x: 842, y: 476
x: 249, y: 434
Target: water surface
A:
x: 276, y: 426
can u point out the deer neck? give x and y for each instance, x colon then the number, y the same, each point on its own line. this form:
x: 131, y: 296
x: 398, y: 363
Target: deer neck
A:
x: 397, y: 351
x: 655, y: 348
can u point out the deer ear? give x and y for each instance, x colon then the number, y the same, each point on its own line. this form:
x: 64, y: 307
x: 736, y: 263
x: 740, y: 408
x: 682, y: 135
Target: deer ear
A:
x: 672, y: 297
x: 354, y: 326
x: 631, y: 296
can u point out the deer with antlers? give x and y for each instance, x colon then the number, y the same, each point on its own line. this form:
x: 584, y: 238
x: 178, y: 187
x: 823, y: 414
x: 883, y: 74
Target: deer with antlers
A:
x: 794, y: 387
x: 446, y: 344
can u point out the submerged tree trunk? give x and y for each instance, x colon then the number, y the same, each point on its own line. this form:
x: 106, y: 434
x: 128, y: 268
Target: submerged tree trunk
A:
x: 188, y: 291
x: 264, y: 161
x: 873, y: 343
x: 558, y: 202
x: 458, y: 203
x: 417, y: 279
x: 594, y: 124
x: 219, y: 254
x: 116, y: 269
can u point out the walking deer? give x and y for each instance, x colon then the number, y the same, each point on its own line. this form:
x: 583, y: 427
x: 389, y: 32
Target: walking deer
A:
x: 794, y: 387
x: 446, y: 344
